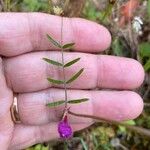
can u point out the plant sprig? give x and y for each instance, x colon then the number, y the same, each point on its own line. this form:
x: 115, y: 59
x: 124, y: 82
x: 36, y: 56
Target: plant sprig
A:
x: 63, y: 65
x: 64, y: 128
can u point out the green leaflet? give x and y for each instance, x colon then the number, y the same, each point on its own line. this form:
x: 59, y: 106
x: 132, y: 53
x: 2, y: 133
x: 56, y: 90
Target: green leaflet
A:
x: 76, y: 101
x: 54, y: 104
x: 84, y: 144
x: 68, y: 46
x: 130, y: 122
x: 117, y: 47
x: 71, y: 62
x: 55, y: 43
x: 53, y: 62
x: 147, y: 66
x: 55, y: 81
x: 144, y: 49
x: 75, y: 76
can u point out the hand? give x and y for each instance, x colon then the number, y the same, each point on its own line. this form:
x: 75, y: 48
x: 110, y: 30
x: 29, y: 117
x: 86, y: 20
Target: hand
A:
x: 23, y: 44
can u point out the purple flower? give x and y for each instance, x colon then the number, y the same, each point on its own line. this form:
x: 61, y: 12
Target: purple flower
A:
x: 64, y: 129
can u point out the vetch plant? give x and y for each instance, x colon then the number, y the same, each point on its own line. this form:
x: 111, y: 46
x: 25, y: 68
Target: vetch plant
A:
x: 64, y: 128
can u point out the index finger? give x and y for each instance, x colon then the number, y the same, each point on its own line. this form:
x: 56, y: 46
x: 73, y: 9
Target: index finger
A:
x: 25, y: 32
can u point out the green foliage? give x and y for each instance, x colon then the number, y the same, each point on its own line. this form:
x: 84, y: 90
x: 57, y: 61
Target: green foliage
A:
x: 98, y: 14
x: 84, y: 144
x: 54, y: 104
x: 68, y: 46
x: 75, y: 76
x: 144, y: 50
x: 55, y: 81
x: 57, y: 44
x: 54, y: 42
x: 92, y: 13
x: 147, y: 66
x: 144, y: 53
x: 53, y: 62
x: 117, y: 47
x: 130, y: 122
x: 120, y: 48
x: 74, y: 101
x: 144, y: 121
x: 71, y: 62
x: 38, y: 147
x: 102, y: 135
x: 34, y: 5
x: 7, y: 4
x: 123, y: 128
x: 107, y: 12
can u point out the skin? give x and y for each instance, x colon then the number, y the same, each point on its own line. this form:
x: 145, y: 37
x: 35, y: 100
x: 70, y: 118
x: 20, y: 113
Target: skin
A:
x: 22, y: 46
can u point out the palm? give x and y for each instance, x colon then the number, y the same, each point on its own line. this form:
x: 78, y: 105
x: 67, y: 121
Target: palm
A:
x: 26, y: 75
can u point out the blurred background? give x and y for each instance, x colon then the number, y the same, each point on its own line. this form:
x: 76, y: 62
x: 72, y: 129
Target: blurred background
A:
x: 129, y: 23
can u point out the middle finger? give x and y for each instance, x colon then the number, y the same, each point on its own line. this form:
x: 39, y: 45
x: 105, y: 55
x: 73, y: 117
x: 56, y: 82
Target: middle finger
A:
x: 29, y: 72
x: 110, y: 105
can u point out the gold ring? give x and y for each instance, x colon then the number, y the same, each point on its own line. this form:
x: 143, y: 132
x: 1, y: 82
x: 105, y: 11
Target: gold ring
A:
x: 14, y: 111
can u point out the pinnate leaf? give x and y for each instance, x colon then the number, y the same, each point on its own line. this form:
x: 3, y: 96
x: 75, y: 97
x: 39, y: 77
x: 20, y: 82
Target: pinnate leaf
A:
x: 68, y: 46
x: 71, y: 62
x: 75, y: 76
x: 76, y: 101
x: 55, y: 43
x: 55, y: 81
x: 54, y: 104
x: 53, y: 62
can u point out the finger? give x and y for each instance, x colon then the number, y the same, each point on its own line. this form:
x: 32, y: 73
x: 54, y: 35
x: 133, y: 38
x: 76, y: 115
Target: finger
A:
x: 29, y: 33
x: 99, y: 71
x: 35, y: 134
x: 25, y: 136
x: 110, y: 105
x: 6, y: 125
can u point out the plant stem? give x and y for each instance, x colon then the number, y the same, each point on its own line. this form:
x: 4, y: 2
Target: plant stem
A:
x: 140, y: 130
x: 64, y: 75
x: 49, y: 6
x: 7, y: 5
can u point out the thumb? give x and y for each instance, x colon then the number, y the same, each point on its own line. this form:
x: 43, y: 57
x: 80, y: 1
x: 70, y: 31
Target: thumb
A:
x: 6, y: 97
